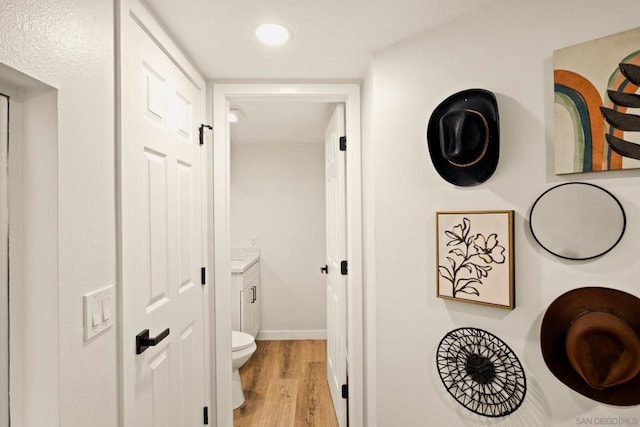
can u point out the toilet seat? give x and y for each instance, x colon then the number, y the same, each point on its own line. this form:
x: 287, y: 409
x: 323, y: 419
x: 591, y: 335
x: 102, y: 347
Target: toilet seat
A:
x: 240, y: 340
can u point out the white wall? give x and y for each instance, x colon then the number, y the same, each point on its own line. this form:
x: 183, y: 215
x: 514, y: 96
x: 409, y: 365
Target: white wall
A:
x: 507, y: 49
x: 369, y: 267
x: 69, y: 46
x: 277, y: 197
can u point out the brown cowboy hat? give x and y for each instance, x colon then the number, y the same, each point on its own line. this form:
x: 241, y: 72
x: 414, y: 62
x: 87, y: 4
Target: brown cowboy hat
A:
x: 590, y: 340
x: 463, y: 137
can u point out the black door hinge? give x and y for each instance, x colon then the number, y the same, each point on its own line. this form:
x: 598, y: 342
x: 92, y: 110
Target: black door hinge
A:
x: 205, y: 415
x: 343, y: 143
x: 202, y: 126
x: 344, y: 268
x: 203, y: 276
x: 345, y: 391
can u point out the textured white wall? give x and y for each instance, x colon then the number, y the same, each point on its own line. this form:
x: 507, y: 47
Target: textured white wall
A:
x: 69, y: 45
x: 507, y: 49
x: 277, y: 196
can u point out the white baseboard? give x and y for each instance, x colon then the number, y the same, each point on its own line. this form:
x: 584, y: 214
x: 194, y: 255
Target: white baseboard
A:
x: 291, y: 335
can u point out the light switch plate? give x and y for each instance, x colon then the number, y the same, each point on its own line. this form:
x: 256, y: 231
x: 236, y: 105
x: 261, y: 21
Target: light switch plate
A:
x: 96, y: 304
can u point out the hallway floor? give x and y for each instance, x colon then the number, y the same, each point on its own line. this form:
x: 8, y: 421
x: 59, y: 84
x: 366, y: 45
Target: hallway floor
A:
x: 285, y: 385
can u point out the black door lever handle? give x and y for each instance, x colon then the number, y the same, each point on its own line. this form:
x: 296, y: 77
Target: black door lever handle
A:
x: 324, y: 269
x: 143, y: 341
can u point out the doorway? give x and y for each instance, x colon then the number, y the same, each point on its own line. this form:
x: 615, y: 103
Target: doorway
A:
x: 223, y: 95
x: 278, y: 208
x: 29, y: 288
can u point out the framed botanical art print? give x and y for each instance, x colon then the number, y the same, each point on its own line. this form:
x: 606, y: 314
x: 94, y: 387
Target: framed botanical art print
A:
x: 474, y: 252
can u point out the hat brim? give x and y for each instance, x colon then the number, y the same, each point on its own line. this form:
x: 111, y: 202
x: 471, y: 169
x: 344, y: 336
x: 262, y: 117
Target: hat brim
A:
x: 553, y: 331
x: 485, y: 103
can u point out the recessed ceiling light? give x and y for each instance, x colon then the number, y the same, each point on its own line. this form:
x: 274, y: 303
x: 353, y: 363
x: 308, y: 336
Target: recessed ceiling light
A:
x: 273, y: 34
x: 234, y: 115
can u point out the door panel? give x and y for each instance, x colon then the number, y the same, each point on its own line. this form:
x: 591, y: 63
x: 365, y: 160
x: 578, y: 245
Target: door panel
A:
x: 335, y: 180
x: 155, y: 209
x: 185, y: 191
x: 160, y: 368
x: 161, y: 231
x: 186, y: 376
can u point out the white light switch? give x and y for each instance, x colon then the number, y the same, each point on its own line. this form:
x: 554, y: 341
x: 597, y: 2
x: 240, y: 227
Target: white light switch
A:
x: 96, y: 316
x: 98, y: 311
x: 106, y: 309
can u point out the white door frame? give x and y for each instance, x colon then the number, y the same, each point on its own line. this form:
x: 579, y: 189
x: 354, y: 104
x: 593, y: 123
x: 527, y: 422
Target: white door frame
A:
x: 33, y: 282
x: 221, y: 94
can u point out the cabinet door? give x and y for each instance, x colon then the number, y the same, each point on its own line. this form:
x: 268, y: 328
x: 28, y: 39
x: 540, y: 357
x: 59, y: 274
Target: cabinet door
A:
x: 246, y: 310
x: 255, y: 308
x: 236, y: 301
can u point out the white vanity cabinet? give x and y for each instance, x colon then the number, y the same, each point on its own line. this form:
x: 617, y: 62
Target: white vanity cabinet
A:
x: 250, y: 310
x: 245, y: 297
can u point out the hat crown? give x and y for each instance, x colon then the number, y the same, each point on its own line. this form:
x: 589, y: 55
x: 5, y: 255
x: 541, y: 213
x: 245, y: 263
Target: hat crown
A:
x: 603, y: 349
x: 464, y: 137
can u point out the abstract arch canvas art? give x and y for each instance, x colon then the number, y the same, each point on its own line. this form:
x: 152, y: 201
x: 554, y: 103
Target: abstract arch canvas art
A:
x: 597, y: 104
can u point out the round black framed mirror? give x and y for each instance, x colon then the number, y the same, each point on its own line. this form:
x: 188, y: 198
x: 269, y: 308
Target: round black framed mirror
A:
x: 577, y: 221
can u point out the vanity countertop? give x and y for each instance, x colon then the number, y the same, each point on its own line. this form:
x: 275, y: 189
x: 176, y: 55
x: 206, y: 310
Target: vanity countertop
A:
x: 243, y: 258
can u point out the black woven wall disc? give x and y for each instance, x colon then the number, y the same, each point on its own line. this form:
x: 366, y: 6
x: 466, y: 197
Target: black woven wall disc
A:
x: 481, y: 372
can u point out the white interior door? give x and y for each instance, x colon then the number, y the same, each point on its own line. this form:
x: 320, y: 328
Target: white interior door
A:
x: 161, y: 228
x: 335, y: 180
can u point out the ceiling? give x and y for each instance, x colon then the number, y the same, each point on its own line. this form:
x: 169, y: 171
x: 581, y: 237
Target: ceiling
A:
x: 280, y: 122
x: 331, y: 40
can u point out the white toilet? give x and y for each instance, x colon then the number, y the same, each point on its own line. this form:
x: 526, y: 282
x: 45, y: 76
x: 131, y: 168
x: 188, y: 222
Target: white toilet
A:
x: 243, y: 346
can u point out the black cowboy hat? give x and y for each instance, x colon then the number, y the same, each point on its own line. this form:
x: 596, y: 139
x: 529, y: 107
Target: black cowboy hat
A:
x: 463, y: 137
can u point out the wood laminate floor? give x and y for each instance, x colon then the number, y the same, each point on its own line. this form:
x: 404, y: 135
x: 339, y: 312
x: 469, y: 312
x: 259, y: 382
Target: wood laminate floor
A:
x: 285, y: 385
